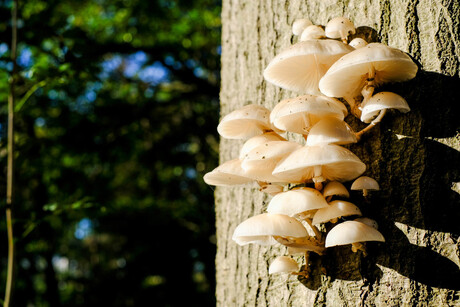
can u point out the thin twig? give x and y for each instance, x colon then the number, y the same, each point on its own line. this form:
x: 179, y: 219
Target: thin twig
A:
x: 9, y: 184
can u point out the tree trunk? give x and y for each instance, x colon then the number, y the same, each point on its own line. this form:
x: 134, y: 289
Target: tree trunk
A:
x: 415, y: 158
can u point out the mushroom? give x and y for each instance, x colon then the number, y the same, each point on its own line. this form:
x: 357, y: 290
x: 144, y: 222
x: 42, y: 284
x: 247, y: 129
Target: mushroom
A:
x: 300, y: 67
x: 245, y: 122
x: 365, y: 184
x: 227, y: 174
x: 299, y: 25
x: 299, y: 114
x: 257, y: 140
x: 312, y: 32
x: 357, y: 43
x: 359, y: 72
x: 260, y: 229
x: 260, y: 162
x: 335, y: 188
x: 334, y: 211
x: 382, y: 101
x: 353, y: 232
x: 301, y: 202
x: 340, y: 27
x: 297, y: 202
x: 331, y: 130
x: 283, y: 264
x: 320, y: 163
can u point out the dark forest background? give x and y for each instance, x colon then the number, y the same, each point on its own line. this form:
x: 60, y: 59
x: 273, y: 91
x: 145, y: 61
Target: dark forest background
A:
x: 115, y: 121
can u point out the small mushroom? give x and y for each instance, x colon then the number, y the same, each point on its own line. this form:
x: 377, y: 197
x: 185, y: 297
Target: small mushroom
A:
x: 245, y: 122
x: 227, y: 174
x: 260, y: 229
x: 382, y: 101
x: 334, y: 211
x: 260, y: 162
x: 300, y: 67
x: 312, y: 32
x: 358, y: 42
x: 283, y: 264
x: 335, y: 188
x: 320, y: 163
x: 353, y: 232
x: 299, y: 114
x: 365, y: 184
x: 331, y: 130
x: 299, y: 25
x: 340, y: 27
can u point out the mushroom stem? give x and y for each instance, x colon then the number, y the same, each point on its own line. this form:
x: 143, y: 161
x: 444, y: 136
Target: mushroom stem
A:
x: 315, y: 230
x: 304, y: 243
x: 355, y: 247
x: 319, y: 186
x: 365, y: 193
x: 371, y: 125
x: 354, y: 106
x: 367, y: 92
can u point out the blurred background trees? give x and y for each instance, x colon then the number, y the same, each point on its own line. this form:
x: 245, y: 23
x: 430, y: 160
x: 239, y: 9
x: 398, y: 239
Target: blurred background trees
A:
x: 116, y: 115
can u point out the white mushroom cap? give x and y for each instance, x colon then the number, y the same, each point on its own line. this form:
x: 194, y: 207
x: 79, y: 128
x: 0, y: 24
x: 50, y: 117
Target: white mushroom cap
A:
x: 336, y: 209
x: 357, y: 43
x: 299, y: 114
x: 299, y: 25
x: 335, y: 188
x: 258, y: 140
x: 260, y: 162
x: 368, y: 222
x: 347, y: 76
x: 312, y: 32
x: 331, y: 130
x: 339, y: 27
x: 226, y: 174
x: 260, y: 228
x: 283, y: 264
x: 300, y: 67
x: 245, y: 122
x: 350, y: 232
x: 365, y: 183
x: 381, y: 101
x: 297, y: 201
x: 330, y: 162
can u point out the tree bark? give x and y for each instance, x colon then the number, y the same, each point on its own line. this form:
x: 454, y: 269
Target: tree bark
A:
x: 414, y: 157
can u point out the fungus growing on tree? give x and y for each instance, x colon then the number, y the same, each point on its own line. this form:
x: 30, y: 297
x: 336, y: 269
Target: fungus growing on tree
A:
x: 294, y: 173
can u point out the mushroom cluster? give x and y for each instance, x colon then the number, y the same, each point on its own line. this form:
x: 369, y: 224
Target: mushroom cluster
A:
x: 306, y: 180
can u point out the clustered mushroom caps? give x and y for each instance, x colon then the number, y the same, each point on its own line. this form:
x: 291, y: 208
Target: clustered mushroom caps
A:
x: 307, y: 181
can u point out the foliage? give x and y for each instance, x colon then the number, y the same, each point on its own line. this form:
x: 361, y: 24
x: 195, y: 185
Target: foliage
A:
x: 117, y: 103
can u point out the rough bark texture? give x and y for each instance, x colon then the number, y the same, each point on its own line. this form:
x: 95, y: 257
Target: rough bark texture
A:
x: 414, y: 156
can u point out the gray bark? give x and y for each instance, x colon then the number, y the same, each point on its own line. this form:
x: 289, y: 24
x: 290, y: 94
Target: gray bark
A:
x: 415, y: 158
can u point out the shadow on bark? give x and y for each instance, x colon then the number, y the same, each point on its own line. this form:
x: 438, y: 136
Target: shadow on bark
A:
x: 417, y: 193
